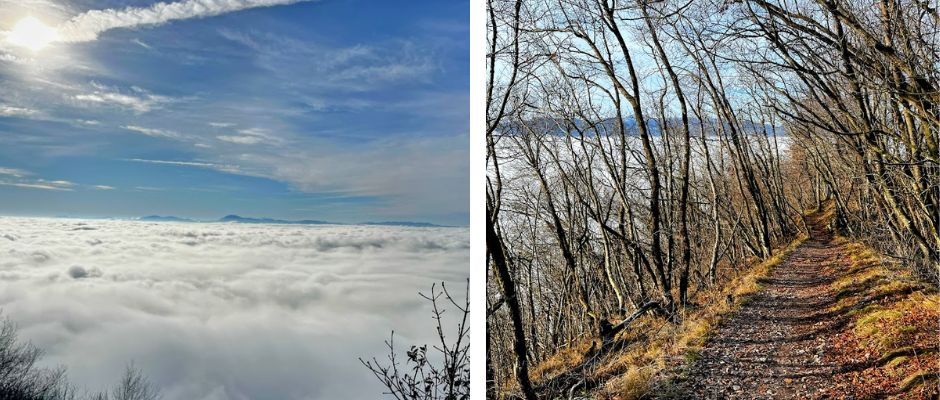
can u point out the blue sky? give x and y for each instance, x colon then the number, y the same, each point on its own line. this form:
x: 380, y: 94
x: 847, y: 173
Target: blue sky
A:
x: 341, y: 110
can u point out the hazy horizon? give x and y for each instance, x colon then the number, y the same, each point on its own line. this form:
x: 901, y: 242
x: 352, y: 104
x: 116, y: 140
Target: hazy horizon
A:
x: 217, y: 219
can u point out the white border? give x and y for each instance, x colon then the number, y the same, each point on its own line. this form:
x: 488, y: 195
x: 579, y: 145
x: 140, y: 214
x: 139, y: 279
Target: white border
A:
x: 477, y: 200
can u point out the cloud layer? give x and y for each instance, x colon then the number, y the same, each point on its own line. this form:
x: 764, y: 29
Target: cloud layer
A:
x: 87, y: 26
x: 223, y: 311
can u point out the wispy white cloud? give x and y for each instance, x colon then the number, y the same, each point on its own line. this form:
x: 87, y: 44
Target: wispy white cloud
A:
x: 356, y: 68
x: 16, y: 177
x: 232, y: 169
x: 41, y: 184
x: 312, y: 156
x: 177, y: 163
x: 36, y: 4
x: 151, y: 131
x: 418, y: 176
x: 261, y: 132
x: 87, y: 26
x: 13, y: 172
x: 252, y: 136
x: 239, y: 139
x: 137, y: 99
x: 141, y: 43
x: 7, y: 110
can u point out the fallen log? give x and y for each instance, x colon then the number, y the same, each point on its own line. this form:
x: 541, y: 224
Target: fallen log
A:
x: 608, y: 331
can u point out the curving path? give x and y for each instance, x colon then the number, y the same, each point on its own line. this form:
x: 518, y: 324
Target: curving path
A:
x: 774, y: 346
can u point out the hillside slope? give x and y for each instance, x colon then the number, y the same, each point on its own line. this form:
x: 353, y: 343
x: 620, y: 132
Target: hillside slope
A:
x: 832, y: 321
x: 826, y: 317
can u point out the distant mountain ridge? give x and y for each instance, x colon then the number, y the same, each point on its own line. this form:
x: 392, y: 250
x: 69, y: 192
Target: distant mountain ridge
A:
x: 168, y: 218
x: 232, y: 218
x: 406, y: 223
x: 245, y: 220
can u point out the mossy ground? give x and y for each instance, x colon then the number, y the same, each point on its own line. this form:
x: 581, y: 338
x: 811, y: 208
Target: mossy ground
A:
x: 892, y: 328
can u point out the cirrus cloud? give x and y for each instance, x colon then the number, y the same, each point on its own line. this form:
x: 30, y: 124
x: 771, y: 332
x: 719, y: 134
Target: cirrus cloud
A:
x: 151, y: 132
x: 87, y: 26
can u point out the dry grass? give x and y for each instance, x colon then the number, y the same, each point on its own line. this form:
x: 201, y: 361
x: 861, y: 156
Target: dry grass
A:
x: 651, y: 344
x: 630, y: 373
x: 867, y: 275
x: 883, y: 328
x: 563, y: 360
x: 897, y: 323
x: 633, y: 384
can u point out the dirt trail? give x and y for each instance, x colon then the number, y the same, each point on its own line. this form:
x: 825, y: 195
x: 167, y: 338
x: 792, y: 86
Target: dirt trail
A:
x: 774, y: 346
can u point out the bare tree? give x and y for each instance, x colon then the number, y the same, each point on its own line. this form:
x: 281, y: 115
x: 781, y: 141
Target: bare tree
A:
x: 638, y: 151
x: 444, y: 374
x: 133, y: 386
x: 21, y: 379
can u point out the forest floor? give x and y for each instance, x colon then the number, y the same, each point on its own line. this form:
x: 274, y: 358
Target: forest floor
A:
x: 831, y: 321
x: 825, y: 317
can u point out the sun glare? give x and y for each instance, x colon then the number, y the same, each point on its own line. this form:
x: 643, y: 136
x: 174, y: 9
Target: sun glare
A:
x: 32, y: 33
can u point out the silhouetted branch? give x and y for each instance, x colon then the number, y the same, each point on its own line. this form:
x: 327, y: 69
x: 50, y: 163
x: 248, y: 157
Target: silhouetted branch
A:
x: 431, y: 378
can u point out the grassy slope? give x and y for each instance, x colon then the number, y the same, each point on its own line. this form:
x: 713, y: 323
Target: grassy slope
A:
x: 893, y: 330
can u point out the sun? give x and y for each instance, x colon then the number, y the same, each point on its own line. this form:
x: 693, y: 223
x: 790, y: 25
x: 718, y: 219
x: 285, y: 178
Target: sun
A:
x: 32, y: 33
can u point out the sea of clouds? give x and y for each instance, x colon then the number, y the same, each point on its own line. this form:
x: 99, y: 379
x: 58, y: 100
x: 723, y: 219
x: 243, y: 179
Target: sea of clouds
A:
x: 224, y: 311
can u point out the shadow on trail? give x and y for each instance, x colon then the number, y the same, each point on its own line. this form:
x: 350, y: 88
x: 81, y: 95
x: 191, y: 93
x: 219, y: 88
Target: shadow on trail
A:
x: 775, y: 345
